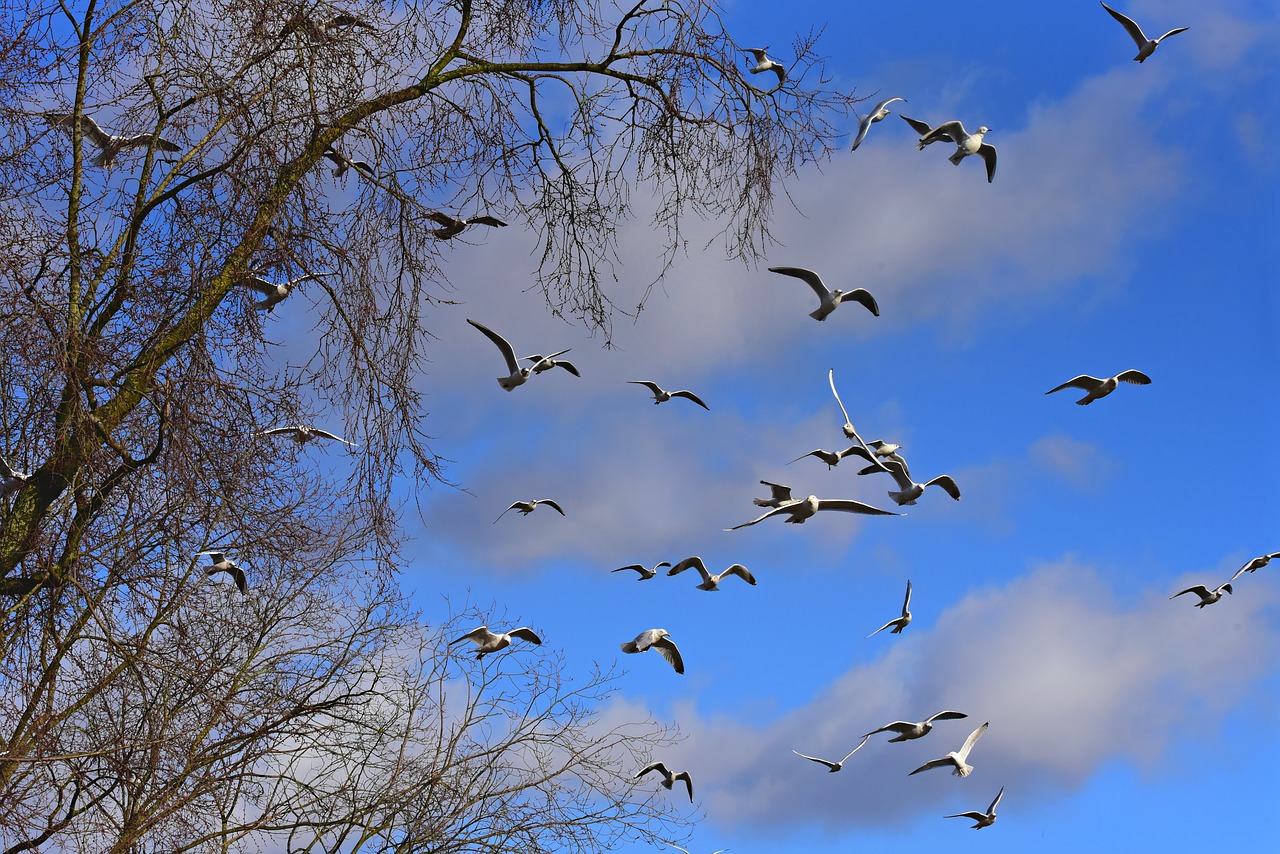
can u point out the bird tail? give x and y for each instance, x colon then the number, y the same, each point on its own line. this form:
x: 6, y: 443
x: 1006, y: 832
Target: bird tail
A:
x: 630, y: 646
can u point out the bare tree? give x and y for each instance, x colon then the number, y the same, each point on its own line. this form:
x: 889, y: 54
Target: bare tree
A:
x: 167, y: 163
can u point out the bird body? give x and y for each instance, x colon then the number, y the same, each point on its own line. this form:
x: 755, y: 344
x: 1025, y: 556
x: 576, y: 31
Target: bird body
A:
x: 659, y: 639
x: 1099, y: 387
x: 764, y: 63
x: 829, y: 299
x: 833, y: 767
x: 219, y: 562
x: 542, y: 364
x: 957, y: 759
x: 983, y: 819
x: 1146, y: 46
x: 526, y: 507
x: 342, y: 163
x: 109, y: 145
x: 645, y: 572
x: 908, y: 730
x: 661, y: 395
x: 899, y: 623
x: 668, y: 779
x: 799, y: 511
x: 966, y: 144
x: 1207, y: 596
x: 712, y: 582
x: 452, y: 226
x: 880, y: 112
x: 487, y: 641
x: 517, y: 376
x: 275, y: 292
x: 302, y: 434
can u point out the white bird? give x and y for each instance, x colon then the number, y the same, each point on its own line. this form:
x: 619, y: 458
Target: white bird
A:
x: 778, y: 495
x: 957, y: 759
x: 668, y: 779
x: 342, y: 163
x: 275, y: 292
x: 660, y: 395
x: 644, y: 572
x: 966, y: 144
x: 659, y: 639
x: 712, y: 582
x: 899, y: 623
x: 219, y: 562
x: 518, y: 376
x: 488, y: 642
x: 526, y: 507
x: 833, y: 767
x: 880, y: 112
x: 764, y: 63
x: 1207, y: 596
x: 909, y: 490
x: 1146, y: 46
x: 1101, y: 387
x: 302, y: 434
x: 452, y: 226
x: 983, y: 819
x: 873, y: 450
x: 1252, y: 566
x: 11, y: 479
x: 908, y: 730
x: 109, y: 145
x: 806, y: 508
x: 542, y: 364
x: 830, y: 299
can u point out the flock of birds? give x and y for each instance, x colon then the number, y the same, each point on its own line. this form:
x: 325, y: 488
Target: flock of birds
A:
x: 880, y: 456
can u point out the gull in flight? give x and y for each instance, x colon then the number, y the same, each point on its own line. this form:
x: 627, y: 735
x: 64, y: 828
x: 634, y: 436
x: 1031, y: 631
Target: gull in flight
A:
x: 526, y: 507
x: 275, y: 292
x: 764, y: 63
x: 219, y: 562
x: 779, y: 495
x: 11, y: 479
x: 1098, y: 388
x: 899, y: 623
x: 660, y: 395
x: 830, y: 299
x: 518, y: 376
x: 833, y: 767
x: 909, y: 489
x: 1207, y: 596
x: 983, y: 819
x: 712, y: 582
x: 880, y: 112
x: 870, y: 451
x: 906, y: 730
x: 342, y: 163
x: 659, y: 639
x: 302, y: 434
x: 109, y: 145
x: 451, y: 226
x: 488, y: 642
x: 644, y: 572
x: 957, y: 759
x: 1252, y: 566
x: 1146, y: 46
x: 545, y: 363
x: 966, y: 144
x: 668, y: 779
x: 806, y: 508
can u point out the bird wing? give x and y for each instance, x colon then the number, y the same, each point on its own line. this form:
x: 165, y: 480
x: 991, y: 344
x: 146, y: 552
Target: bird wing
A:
x: 637, y: 567
x: 325, y: 434
x: 757, y: 52
x: 1130, y: 26
x: 652, y: 386
x: 654, y: 766
x: 886, y: 102
x: 1083, y: 382
x: 507, y: 352
x: 513, y: 506
x: 813, y: 279
x: 947, y: 482
x: 278, y: 431
x: 899, y: 727
x: 478, y: 635
x: 677, y: 847
x: 667, y: 649
x: 976, y: 816
x: 691, y: 396
x: 946, y: 716
x: 778, y: 492
x: 918, y: 126
x: 859, y: 451
x: 863, y: 126
x: 881, y: 629
x: 1172, y: 33
x: 688, y: 781
x: 262, y: 286
x: 95, y: 133
x: 936, y: 763
x: 864, y: 298
x: 241, y: 580
x: 442, y: 218
x: 865, y: 738
x: 1134, y: 377
x: 487, y: 220
x: 526, y: 633
x: 906, y: 603
x: 969, y: 742
x: 695, y: 562
x: 953, y: 131
x: 991, y: 809
x: 988, y: 153
x: 786, y: 508
x: 1198, y: 589
x: 740, y: 571
x: 831, y: 378
x: 552, y: 505
x: 848, y: 505
x: 834, y: 766
x: 816, y: 452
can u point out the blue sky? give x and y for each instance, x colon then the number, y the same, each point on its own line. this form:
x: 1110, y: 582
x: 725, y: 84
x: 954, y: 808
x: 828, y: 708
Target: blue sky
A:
x: 1132, y: 224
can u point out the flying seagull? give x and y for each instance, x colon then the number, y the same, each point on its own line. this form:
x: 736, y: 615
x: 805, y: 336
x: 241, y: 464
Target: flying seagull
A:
x: 518, y: 376
x: 764, y: 63
x: 829, y: 299
x: 219, y: 562
x: 526, y: 507
x: 1207, y: 596
x: 957, y: 759
x: 644, y: 572
x: 712, y: 582
x: 833, y: 767
x: 302, y: 434
x: 660, y: 395
x: 1146, y: 46
x: 488, y: 642
x: 901, y: 622
x: 668, y: 779
x: 275, y: 292
x: 909, y: 490
x: 541, y: 363
x: 1252, y: 566
x: 966, y: 144
x: 11, y: 479
x: 806, y: 508
x: 1098, y: 387
x: 873, y: 450
x: 778, y: 496
x: 451, y: 226
x: 907, y: 730
x: 880, y: 112
x: 109, y: 145
x: 342, y: 163
x: 659, y: 639
x: 983, y: 819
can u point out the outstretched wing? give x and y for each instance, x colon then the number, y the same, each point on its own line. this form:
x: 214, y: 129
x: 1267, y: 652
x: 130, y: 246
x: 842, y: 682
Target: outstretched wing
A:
x: 526, y: 633
x: 551, y: 504
x: 487, y: 220
x: 786, y: 508
x: 811, y: 278
x: 953, y: 131
x: 654, y: 766
x: 1198, y: 589
x: 1130, y: 26
x: 1083, y: 382
x: 1134, y: 377
x: 948, y: 484
x: 848, y: 505
x: 507, y: 352
x: 906, y: 603
x: 969, y: 742
x: 742, y: 572
x: 918, y: 126
x: 991, y: 809
x: 478, y: 635
x: 834, y: 766
x: 688, y: 395
x: 695, y: 562
x: 936, y: 763
x: 863, y: 297
x: 947, y: 716
x: 667, y: 649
